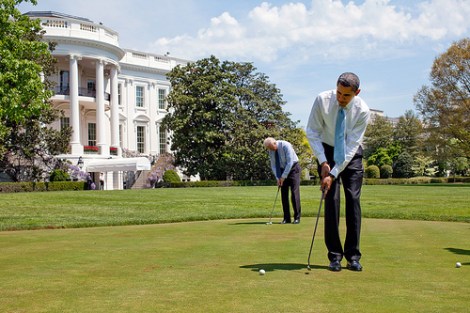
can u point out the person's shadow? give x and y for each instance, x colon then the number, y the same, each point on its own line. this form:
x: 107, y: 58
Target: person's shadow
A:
x: 459, y: 252
x: 271, y: 267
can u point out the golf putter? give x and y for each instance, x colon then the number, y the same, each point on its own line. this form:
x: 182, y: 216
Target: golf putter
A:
x: 315, y: 230
x: 274, y: 204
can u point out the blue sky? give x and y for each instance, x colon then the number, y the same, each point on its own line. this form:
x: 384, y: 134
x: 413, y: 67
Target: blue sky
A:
x: 302, y: 46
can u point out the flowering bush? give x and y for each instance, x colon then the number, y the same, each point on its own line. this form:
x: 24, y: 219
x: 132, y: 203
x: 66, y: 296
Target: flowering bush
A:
x: 90, y: 148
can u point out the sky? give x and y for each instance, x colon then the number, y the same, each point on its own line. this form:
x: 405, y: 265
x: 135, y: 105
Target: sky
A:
x: 302, y: 46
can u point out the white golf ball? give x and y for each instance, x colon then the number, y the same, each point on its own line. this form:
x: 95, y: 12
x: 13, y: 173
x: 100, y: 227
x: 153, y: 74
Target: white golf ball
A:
x: 262, y: 272
x: 457, y: 265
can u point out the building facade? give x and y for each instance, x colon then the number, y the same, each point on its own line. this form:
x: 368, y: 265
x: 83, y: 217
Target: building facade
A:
x: 113, y: 99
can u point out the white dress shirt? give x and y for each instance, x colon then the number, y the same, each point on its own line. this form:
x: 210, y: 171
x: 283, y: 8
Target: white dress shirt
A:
x: 287, y: 158
x: 322, y: 122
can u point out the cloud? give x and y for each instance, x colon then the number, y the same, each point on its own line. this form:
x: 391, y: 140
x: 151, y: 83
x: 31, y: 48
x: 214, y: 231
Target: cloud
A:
x: 327, y: 30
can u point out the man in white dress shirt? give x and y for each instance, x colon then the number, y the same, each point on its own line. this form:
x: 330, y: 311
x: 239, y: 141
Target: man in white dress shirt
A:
x: 335, y: 131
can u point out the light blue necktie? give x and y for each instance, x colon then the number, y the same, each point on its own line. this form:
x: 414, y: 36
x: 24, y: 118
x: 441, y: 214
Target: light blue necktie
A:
x: 340, y: 143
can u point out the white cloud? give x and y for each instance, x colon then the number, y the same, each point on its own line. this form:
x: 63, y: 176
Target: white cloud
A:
x: 328, y: 29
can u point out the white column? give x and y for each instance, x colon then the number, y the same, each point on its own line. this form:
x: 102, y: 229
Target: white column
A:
x: 115, y: 110
x: 103, y: 146
x: 77, y: 147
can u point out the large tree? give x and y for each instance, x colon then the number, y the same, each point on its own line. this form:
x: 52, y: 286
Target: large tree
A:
x: 379, y: 134
x: 219, y: 114
x: 26, y: 143
x: 408, y: 133
x: 445, y: 105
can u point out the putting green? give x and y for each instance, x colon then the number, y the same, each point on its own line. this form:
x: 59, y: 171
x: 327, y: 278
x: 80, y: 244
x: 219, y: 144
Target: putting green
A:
x: 212, y: 266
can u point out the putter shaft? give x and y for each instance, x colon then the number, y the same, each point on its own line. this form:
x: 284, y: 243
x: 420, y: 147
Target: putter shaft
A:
x: 315, y: 229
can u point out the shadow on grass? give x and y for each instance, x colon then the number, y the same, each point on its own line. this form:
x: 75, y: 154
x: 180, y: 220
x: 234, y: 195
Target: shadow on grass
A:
x: 458, y: 251
x: 254, y: 223
x: 271, y: 267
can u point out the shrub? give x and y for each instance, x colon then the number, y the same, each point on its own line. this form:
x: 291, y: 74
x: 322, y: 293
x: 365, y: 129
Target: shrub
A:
x: 386, y: 171
x: 372, y: 171
x: 59, y: 175
x: 170, y: 176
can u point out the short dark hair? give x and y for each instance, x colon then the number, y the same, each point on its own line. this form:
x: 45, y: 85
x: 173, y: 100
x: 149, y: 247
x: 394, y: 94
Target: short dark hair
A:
x: 349, y: 79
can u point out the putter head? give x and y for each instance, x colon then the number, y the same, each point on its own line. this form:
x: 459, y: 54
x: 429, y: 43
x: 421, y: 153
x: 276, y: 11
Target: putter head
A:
x: 269, y: 223
x: 308, y: 267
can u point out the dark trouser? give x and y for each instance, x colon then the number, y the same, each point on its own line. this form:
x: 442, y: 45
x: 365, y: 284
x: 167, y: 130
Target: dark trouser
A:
x: 293, y: 182
x: 351, y: 178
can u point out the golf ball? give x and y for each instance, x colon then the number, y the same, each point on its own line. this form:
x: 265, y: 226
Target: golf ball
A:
x: 457, y: 265
x: 262, y: 272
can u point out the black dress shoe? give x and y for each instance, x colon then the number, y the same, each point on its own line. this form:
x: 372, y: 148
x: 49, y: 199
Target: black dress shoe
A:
x: 354, y: 266
x: 285, y: 222
x: 335, y: 266
x: 296, y: 221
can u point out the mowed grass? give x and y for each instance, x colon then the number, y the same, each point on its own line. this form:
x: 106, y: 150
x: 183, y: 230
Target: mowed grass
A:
x: 151, y: 206
x: 212, y: 265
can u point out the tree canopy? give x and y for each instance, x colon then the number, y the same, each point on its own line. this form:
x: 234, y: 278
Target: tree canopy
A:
x: 219, y: 114
x: 445, y: 105
x: 26, y: 142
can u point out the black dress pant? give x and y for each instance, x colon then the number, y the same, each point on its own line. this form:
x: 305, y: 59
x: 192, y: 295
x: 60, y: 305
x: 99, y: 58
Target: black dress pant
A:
x: 293, y: 182
x: 351, y: 179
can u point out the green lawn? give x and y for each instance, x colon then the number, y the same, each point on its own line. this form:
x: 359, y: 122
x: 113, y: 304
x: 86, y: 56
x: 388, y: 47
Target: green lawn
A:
x: 151, y: 206
x: 212, y: 265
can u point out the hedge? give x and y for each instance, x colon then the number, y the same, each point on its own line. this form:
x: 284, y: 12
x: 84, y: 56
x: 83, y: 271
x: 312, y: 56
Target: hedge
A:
x: 41, y: 186
x: 69, y: 185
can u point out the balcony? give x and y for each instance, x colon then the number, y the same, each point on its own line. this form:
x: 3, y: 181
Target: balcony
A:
x: 82, y: 92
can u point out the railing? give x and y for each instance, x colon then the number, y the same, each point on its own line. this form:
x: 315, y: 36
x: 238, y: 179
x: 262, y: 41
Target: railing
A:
x: 82, y: 92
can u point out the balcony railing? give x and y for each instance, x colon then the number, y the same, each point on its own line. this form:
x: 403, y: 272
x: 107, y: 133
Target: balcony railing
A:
x: 82, y: 92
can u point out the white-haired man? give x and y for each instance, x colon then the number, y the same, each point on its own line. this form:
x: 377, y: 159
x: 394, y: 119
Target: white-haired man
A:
x: 286, y: 168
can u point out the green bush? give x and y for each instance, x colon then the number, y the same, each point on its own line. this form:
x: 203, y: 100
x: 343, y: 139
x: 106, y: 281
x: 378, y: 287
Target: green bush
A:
x: 373, y: 171
x: 386, y: 171
x: 170, y: 176
x: 59, y: 175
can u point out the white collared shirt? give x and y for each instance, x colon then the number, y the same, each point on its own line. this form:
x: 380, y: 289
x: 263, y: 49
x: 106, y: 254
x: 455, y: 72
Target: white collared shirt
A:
x: 287, y: 158
x: 322, y: 122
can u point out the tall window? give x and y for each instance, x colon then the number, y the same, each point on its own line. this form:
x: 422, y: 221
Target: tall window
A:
x: 162, y: 99
x: 91, y: 88
x: 139, y: 96
x: 162, y: 139
x: 64, y: 122
x: 141, y: 139
x: 120, y: 135
x: 64, y: 83
x: 92, y: 134
x: 119, y: 91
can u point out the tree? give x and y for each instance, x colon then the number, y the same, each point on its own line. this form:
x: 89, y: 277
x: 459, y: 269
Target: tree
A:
x: 219, y: 114
x: 403, y: 167
x: 26, y: 143
x: 408, y: 133
x: 380, y: 158
x: 445, y: 105
x: 379, y: 134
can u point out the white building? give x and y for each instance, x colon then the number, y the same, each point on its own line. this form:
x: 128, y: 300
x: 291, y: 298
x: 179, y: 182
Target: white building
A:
x: 113, y: 98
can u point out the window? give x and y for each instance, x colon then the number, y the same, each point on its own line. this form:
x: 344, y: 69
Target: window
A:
x: 162, y: 99
x: 91, y: 88
x: 64, y: 122
x: 162, y: 138
x: 64, y: 83
x: 139, y: 96
x: 119, y: 91
x: 141, y: 139
x: 92, y: 134
x: 120, y: 135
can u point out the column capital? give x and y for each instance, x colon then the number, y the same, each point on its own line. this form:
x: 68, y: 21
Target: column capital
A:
x: 75, y: 57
